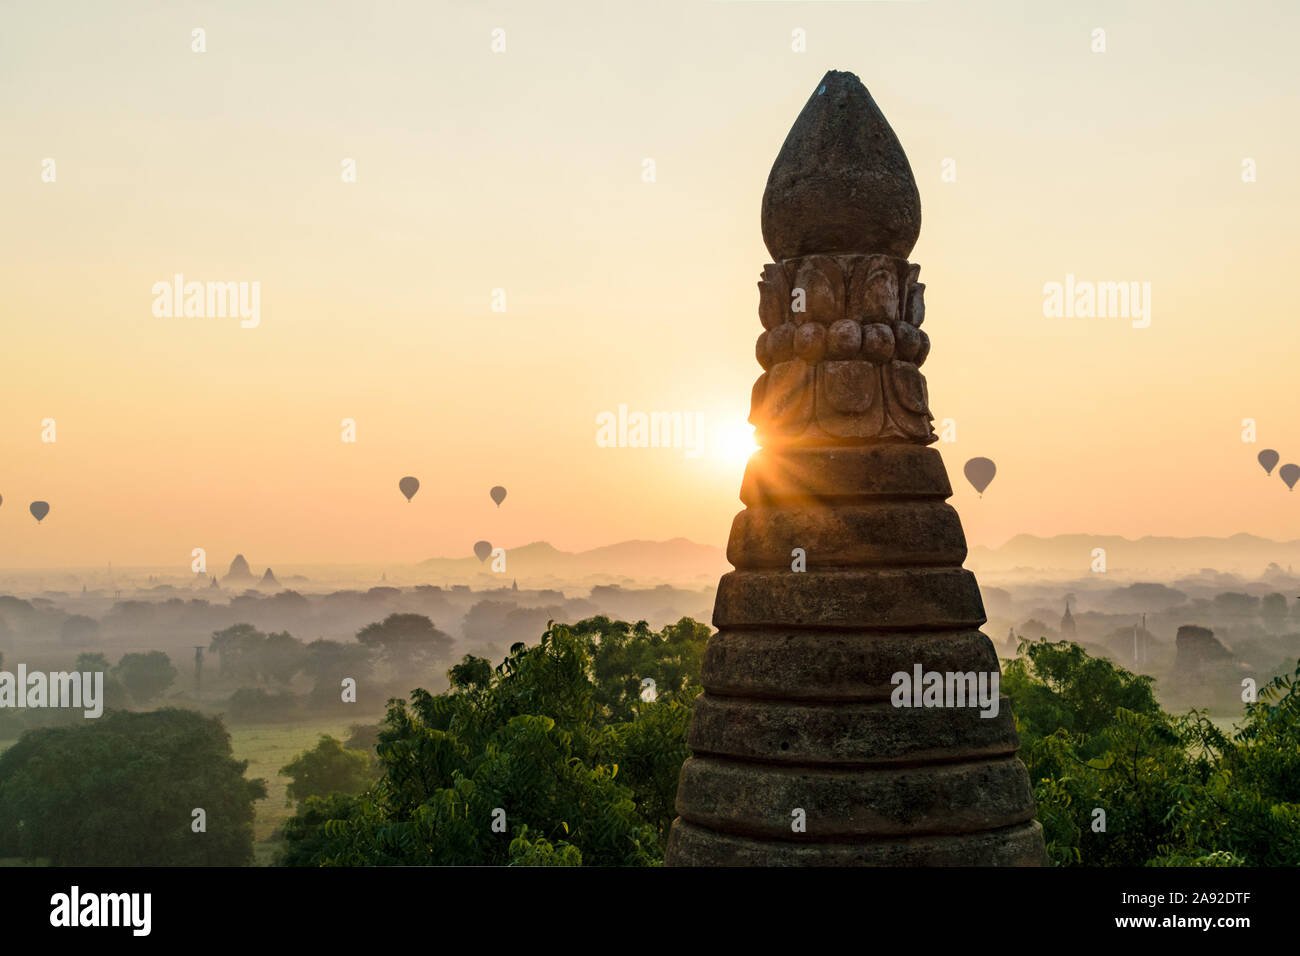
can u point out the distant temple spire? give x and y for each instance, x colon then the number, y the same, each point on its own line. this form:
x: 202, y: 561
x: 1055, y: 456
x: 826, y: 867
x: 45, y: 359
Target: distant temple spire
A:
x: 1068, y: 628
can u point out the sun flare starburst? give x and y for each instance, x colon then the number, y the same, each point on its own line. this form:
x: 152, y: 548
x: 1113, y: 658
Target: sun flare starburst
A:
x: 733, y: 445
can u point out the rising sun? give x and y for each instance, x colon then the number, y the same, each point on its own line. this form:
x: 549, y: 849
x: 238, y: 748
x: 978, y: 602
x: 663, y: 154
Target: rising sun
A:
x: 733, y: 444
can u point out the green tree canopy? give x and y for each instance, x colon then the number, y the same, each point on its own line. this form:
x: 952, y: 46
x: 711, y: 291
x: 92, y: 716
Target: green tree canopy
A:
x: 145, y: 676
x: 121, y: 790
x: 551, y: 757
x: 115, y: 693
x: 328, y: 768
x: 403, y: 636
x: 249, y: 657
x: 1120, y: 782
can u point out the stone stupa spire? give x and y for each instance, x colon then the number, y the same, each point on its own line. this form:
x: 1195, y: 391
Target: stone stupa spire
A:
x: 848, y: 558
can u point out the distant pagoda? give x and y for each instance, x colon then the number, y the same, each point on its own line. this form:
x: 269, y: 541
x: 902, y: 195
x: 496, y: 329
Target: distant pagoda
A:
x: 1068, y: 628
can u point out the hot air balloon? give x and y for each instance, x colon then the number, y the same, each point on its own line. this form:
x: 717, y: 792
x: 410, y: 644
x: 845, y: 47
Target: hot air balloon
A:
x: 498, y: 495
x: 1290, y: 474
x: 979, y: 472
x: 482, y: 549
x: 40, y: 509
x: 409, y: 486
x: 1268, y: 458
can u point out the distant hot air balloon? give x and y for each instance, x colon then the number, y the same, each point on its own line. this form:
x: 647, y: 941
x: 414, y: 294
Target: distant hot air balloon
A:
x: 979, y: 472
x: 482, y: 549
x: 1268, y: 458
x: 409, y: 486
x: 40, y: 509
x: 498, y: 495
x: 1290, y: 474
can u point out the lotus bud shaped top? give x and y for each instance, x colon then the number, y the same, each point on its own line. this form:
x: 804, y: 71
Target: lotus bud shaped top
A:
x: 841, y: 183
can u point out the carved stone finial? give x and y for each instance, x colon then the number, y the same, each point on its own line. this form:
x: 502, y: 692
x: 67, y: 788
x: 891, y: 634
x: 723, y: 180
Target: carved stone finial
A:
x: 804, y: 751
x: 841, y: 352
x: 841, y: 182
x: 841, y: 306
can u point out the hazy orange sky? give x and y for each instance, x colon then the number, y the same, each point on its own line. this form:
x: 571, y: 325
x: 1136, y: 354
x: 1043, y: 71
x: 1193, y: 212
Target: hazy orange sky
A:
x: 522, y: 170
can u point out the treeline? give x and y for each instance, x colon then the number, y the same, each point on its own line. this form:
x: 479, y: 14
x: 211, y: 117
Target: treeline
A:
x: 550, y: 759
x: 1121, y: 782
x: 136, y: 680
x: 488, y: 621
x: 253, y: 676
x: 268, y: 670
x: 595, y: 783
x: 566, y: 753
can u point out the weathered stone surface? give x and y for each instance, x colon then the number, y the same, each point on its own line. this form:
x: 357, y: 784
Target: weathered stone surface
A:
x: 834, y: 665
x: 850, y: 400
x: 843, y: 472
x: 877, y: 343
x: 878, y: 534
x: 810, y: 342
x: 847, y: 323
x: 858, y: 734
x: 873, y: 290
x: 848, y: 558
x: 780, y: 343
x: 773, y: 297
x: 758, y: 800
x: 1021, y: 845
x: 821, y: 280
x: 883, y: 598
x: 916, y: 305
x: 788, y: 393
x: 841, y: 182
x: 907, y: 342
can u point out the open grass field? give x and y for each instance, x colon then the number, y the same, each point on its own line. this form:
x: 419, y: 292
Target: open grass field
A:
x: 267, y: 748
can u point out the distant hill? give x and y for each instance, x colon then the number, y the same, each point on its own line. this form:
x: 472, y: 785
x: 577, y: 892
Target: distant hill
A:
x: 677, y: 561
x: 683, y: 562
x: 1241, y: 553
